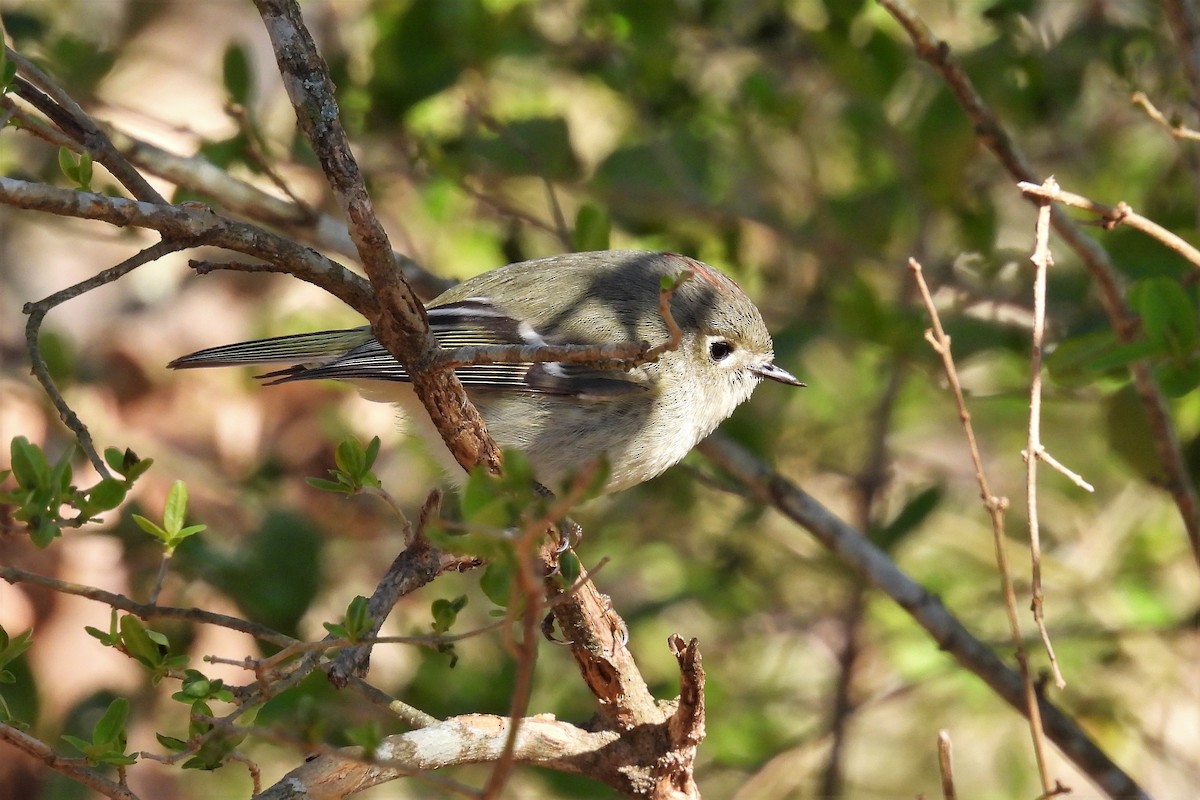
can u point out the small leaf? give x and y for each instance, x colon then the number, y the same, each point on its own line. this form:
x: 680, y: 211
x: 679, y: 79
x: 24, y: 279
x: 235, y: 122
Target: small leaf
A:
x: 29, y: 464
x: 110, y: 728
x: 497, y: 583
x: 85, y: 171
x: 143, y: 644
x: 349, y: 457
x: 11, y: 649
x: 106, y: 495
x: 82, y: 745
x: 171, y: 743
x: 112, y: 457
x: 235, y: 74
x: 66, y: 163
x: 1168, y: 314
x: 445, y: 612
x: 176, y: 508
x: 151, y: 527
x: 358, y: 617
x: 569, y: 567
x: 328, y: 486
x: 915, y: 512
x: 372, y: 453
x: 367, y: 736
x: 1178, y: 378
x: 592, y: 228
x: 8, y: 72
x: 45, y: 533
x: 1124, y: 354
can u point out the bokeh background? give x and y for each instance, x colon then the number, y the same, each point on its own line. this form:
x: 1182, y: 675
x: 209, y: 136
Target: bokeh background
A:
x: 800, y: 147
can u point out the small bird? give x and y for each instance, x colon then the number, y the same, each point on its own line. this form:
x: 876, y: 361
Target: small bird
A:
x: 564, y: 415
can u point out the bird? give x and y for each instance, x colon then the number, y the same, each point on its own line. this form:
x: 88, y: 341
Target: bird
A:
x: 562, y: 416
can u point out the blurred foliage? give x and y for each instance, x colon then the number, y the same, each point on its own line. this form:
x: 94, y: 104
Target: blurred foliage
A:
x: 800, y: 147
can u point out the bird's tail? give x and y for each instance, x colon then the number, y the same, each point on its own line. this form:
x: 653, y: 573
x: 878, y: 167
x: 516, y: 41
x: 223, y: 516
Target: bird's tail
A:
x: 301, y: 349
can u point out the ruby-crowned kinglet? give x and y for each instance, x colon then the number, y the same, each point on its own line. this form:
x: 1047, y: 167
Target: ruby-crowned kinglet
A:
x: 564, y: 415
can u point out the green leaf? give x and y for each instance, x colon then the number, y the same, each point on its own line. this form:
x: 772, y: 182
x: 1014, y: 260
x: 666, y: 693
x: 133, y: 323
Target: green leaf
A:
x: 106, y: 495
x: 482, y: 491
x: 235, y: 74
x: 358, y: 617
x: 569, y: 567
x: 127, y: 463
x: 147, y: 646
x: 1123, y: 355
x: 497, y: 582
x: 915, y: 512
x: 176, y: 508
x: 349, y: 457
x: 8, y: 72
x: 114, y: 459
x: 1178, y: 378
x: 12, y: 648
x: 171, y: 743
x: 45, y: 533
x: 66, y: 163
x: 1168, y: 314
x: 29, y: 464
x: 82, y: 745
x: 592, y: 228
x: 367, y: 736
x: 85, y: 171
x: 329, y: 486
x: 60, y: 478
x: 151, y: 527
x: 372, y: 454
x: 445, y: 612
x: 111, y: 726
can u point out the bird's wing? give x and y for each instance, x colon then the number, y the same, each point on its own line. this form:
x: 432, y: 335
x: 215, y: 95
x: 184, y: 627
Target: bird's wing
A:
x: 356, y: 355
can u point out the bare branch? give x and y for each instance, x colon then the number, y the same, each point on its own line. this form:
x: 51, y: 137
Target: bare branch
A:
x: 995, y: 506
x: 36, y: 88
x: 37, y: 314
x: 1042, y: 261
x: 946, y: 765
x: 991, y: 133
x: 1112, y: 216
x: 248, y: 201
x: 1176, y: 129
x: 74, y: 768
x: 872, y: 565
x: 399, y: 320
x: 200, y: 225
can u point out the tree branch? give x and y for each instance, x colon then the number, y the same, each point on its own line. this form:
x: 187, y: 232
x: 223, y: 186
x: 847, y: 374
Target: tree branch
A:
x: 991, y: 133
x: 73, y: 768
x: 399, y: 320
x: 872, y: 565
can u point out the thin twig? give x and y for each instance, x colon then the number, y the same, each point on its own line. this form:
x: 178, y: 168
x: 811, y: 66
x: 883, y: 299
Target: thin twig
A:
x: 37, y: 312
x: 996, y: 507
x: 1055, y: 464
x: 1176, y: 129
x: 561, y: 230
x: 74, y: 768
x: 159, y: 577
x: 991, y: 134
x: 946, y: 765
x: 1042, y: 260
x: 398, y: 319
x: 1112, y: 216
x: 856, y: 551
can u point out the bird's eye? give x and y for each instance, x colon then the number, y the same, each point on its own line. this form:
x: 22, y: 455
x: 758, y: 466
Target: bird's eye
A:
x: 719, y: 350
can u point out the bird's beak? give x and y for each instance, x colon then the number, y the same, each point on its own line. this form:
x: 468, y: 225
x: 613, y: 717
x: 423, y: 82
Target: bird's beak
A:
x: 774, y: 373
